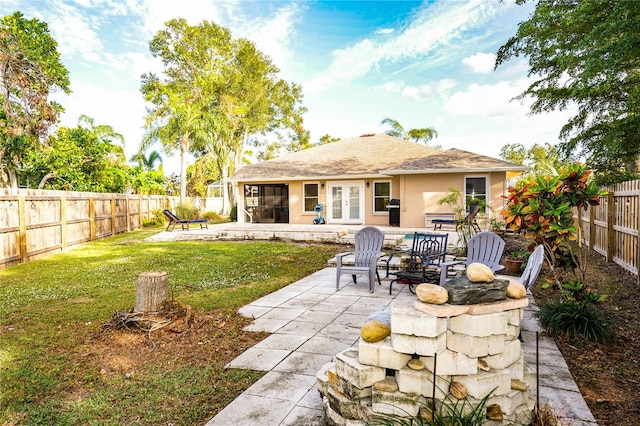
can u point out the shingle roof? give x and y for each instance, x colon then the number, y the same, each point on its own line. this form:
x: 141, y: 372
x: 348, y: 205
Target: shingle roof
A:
x: 364, y: 156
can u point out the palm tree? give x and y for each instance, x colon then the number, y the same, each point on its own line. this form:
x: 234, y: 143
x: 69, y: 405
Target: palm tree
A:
x: 178, y: 125
x: 147, y: 162
x: 415, y: 135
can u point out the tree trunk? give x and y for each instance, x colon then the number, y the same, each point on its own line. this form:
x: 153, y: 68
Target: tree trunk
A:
x: 152, y: 291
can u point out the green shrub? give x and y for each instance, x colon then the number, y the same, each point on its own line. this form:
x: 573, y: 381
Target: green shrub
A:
x: 187, y: 211
x: 233, y: 215
x: 212, y: 216
x: 575, y: 320
x: 156, y: 219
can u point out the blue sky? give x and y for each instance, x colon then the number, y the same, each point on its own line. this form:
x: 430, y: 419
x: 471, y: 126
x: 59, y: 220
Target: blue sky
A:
x: 425, y: 64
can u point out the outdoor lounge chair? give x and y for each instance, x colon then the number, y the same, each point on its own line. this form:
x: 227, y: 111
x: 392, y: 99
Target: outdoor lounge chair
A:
x: 368, y: 243
x: 184, y: 223
x: 422, y: 261
x: 469, y: 220
x: 484, y: 247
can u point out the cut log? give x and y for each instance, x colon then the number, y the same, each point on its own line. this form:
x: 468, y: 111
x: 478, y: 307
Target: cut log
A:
x: 152, y: 291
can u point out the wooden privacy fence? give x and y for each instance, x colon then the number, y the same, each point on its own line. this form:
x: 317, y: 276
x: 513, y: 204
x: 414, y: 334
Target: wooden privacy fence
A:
x: 36, y: 223
x: 611, y: 228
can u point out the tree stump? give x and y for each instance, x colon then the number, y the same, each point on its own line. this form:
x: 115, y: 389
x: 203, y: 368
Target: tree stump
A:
x: 152, y: 291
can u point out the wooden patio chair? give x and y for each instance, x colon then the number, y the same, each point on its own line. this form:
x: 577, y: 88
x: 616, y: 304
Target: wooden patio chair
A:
x: 368, y: 243
x: 484, y: 247
x: 184, y: 223
x: 422, y: 261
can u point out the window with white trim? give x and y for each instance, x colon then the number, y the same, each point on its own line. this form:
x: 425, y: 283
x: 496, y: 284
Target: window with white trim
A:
x: 476, y: 191
x: 310, y: 196
x: 381, y: 196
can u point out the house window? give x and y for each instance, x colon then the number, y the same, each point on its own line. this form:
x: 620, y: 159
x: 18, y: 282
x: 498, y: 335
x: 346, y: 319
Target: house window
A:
x: 381, y: 196
x: 310, y: 195
x: 476, y: 192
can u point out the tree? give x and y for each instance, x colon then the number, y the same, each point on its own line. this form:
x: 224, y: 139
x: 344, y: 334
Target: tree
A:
x: 415, y: 135
x: 30, y: 69
x: 147, y: 162
x: 539, y: 158
x: 586, y: 53
x: 217, y: 91
x: 84, y: 158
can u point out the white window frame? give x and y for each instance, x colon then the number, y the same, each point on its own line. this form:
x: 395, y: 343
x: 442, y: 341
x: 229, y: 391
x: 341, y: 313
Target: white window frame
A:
x: 304, y: 198
x: 373, y: 196
x: 487, y: 194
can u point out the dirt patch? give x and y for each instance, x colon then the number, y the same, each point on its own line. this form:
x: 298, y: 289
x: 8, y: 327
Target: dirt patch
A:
x: 608, y: 374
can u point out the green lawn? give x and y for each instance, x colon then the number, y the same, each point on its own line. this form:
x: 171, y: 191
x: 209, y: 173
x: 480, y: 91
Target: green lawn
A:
x: 60, y: 365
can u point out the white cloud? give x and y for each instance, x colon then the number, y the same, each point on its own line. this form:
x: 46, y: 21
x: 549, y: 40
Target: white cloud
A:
x: 489, y: 100
x: 391, y: 87
x: 425, y: 91
x: 385, y: 31
x: 433, y: 30
x: 272, y: 35
x: 480, y: 63
x: 75, y: 32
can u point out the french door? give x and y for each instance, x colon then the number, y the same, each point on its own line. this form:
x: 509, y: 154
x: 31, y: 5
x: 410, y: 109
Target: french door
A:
x: 345, y: 202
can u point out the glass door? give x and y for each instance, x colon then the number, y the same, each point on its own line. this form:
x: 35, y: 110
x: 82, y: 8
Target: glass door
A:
x: 345, y: 202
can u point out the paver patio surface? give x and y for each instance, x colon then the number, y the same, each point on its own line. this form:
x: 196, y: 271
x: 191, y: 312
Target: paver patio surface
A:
x: 311, y: 323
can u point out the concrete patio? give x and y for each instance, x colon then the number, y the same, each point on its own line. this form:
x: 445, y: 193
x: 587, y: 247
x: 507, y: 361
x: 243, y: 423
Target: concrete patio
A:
x: 311, y: 323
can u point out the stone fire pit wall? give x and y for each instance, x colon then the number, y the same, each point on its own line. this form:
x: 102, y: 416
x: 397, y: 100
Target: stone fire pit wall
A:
x: 476, y: 346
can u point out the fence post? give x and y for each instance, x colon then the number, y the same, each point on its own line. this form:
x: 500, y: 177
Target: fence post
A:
x: 22, y: 232
x: 610, y: 234
x: 63, y: 221
x: 592, y: 226
x: 113, y: 215
x: 92, y: 219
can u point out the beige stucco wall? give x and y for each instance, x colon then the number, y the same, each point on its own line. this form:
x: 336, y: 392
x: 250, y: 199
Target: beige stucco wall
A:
x: 418, y: 194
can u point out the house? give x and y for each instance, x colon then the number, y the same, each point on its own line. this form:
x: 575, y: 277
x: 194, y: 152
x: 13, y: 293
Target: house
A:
x: 355, y: 179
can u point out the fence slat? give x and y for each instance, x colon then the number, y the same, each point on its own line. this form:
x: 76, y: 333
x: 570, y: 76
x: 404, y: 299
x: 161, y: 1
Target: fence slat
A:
x: 37, y: 223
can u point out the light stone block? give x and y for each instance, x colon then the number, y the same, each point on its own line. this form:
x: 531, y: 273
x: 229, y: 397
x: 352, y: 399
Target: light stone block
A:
x: 349, y: 409
x: 396, y: 403
x: 352, y: 392
x: 474, y: 347
x: 479, y: 325
x: 368, y: 353
x: 421, y: 383
x: 359, y: 375
x: 512, y: 353
x: 407, y: 320
x: 335, y: 418
x: 322, y: 377
x: 517, y: 369
x: 485, y: 382
x: 508, y: 402
x: 388, y: 358
x: 427, y: 346
x: 515, y: 316
x: 449, y: 363
x: 513, y: 332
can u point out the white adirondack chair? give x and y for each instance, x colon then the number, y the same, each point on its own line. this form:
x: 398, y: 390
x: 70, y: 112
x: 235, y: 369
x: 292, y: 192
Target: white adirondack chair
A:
x: 532, y: 270
x: 368, y: 243
x: 484, y: 247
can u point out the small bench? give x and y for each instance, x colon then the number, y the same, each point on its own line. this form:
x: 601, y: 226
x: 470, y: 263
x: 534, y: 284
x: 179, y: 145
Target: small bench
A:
x: 184, y: 223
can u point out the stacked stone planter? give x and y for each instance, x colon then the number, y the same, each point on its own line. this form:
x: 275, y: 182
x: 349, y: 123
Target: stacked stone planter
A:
x: 476, y: 347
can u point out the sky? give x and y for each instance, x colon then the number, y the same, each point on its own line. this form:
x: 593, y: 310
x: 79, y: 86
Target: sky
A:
x: 424, y: 64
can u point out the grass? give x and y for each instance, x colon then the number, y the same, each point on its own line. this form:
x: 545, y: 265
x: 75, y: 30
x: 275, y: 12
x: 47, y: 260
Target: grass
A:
x: 59, y: 366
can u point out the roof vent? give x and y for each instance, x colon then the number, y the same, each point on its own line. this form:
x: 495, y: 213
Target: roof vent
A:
x: 367, y: 135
